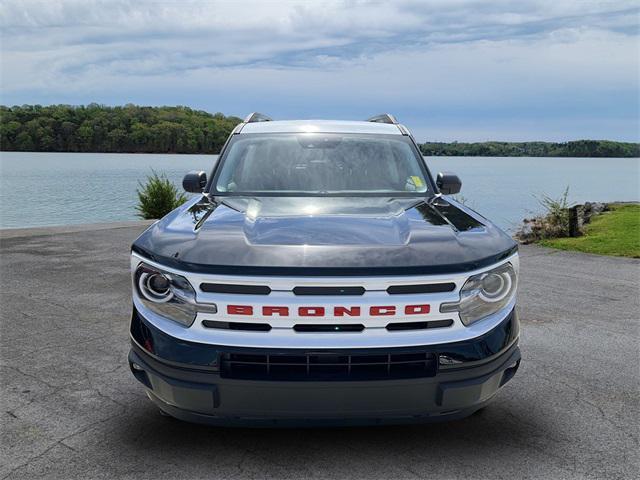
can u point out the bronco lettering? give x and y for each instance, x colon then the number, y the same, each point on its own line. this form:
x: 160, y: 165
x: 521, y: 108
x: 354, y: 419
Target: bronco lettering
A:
x: 338, y: 311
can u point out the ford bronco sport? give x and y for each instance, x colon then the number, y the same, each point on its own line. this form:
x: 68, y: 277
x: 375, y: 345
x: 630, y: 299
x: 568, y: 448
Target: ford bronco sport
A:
x: 322, y: 276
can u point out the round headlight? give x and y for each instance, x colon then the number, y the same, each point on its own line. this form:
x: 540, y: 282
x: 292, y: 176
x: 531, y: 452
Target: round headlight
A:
x: 484, y: 294
x: 495, y: 286
x: 158, y: 284
x: 168, y: 294
x: 155, y: 287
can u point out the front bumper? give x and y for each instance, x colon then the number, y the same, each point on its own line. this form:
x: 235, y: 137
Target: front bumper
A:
x: 188, y: 381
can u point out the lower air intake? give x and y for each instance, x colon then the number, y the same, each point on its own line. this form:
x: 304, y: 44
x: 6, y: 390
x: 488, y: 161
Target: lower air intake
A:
x: 319, y: 366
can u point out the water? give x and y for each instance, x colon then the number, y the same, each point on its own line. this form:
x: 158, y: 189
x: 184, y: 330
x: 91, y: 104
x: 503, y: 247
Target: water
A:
x: 38, y: 189
x: 504, y: 189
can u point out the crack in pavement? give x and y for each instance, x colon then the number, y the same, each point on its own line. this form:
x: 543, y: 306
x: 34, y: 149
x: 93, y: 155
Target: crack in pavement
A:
x: 61, y: 442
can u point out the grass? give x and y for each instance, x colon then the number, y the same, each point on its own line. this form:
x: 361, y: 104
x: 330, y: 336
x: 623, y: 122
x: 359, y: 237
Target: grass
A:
x: 616, y: 232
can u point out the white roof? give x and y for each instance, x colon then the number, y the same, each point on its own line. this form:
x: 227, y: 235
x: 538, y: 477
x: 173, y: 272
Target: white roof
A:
x: 322, y: 126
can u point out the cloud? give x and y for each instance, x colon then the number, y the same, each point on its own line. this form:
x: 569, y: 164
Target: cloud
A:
x: 455, y: 66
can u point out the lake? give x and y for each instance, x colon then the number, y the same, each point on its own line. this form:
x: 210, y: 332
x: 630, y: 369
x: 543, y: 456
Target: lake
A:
x: 38, y: 189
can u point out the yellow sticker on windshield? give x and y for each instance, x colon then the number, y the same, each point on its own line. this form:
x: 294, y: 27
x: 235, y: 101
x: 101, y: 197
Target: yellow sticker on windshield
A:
x: 417, y: 181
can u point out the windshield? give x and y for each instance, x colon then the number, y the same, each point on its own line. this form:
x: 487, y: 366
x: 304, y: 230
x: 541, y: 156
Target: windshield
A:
x: 321, y: 164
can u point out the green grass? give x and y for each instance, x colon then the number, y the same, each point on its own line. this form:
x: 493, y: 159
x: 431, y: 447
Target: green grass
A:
x: 616, y: 232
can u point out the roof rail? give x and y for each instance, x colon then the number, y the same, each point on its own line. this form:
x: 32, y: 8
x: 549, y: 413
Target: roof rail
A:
x: 257, y: 117
x: 383, y: 118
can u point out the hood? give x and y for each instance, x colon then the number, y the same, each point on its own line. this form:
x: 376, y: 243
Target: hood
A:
x: 324, y: 236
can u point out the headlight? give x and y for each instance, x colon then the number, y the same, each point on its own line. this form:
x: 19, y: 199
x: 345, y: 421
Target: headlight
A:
x: 484, y: 294
x: 168, y: 294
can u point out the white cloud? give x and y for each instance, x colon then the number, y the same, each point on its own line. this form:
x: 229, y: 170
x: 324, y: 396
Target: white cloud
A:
x: 428, y: 59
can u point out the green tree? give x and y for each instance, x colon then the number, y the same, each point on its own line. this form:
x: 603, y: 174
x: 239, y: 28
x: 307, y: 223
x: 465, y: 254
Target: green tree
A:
x: 579, y: 148
x: 132, y: 128
x: 98, y: 128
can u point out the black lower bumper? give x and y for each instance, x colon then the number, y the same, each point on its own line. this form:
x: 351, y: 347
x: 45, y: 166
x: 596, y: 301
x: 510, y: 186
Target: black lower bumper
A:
x: 453, y: 387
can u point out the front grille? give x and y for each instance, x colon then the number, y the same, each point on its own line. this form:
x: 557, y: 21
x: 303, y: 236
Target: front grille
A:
x: 421, y: 288
x: 324, y: 290
x: 327, y: 327
x: 319, y: 366
x: 419, y: 325
x: 238, y: 289
x: 328, y: 291
x: 254, y: 327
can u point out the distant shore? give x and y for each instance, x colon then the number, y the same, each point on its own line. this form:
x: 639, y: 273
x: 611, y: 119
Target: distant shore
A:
x: 130, y: 128
x: 576, y: 149
x: 181, y: 154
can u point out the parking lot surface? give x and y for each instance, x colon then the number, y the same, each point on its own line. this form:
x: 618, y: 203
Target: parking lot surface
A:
x: 71, y: 408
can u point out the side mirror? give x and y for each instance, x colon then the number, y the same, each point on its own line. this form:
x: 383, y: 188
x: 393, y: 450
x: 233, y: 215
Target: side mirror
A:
x: 448, y: 183
x: 194, y: 181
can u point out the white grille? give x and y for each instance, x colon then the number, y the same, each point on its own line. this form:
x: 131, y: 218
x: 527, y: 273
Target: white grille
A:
x: 372, y: 304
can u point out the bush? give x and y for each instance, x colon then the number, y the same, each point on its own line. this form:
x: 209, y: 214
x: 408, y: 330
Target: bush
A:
x: 554, y: 223
x: 158, y: 196
x: 557, y: 216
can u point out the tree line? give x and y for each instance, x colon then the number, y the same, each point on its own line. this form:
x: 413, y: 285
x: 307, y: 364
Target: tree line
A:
x: 98, y: 128
x: 578, y: 148
x: 136, y: 129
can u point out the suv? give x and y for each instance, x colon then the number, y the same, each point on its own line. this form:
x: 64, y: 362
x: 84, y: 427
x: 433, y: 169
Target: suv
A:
x: 321, y: 276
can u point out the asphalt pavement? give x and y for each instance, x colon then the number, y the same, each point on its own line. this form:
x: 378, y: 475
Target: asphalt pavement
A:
x: 71, y: 409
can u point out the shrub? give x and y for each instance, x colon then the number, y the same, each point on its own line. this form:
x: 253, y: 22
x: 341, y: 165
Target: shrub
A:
x: 554, y: 223
x: 158, y: 196
x: 557, y: 216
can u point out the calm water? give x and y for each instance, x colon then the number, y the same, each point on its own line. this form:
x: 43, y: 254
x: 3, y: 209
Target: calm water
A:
x: 39, y: 189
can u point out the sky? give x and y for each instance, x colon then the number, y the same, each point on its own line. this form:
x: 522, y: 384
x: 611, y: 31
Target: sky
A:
x: 450, y: 70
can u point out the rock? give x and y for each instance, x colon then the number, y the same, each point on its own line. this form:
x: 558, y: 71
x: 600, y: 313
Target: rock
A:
x: 592, y: 208
x: 546, y: 226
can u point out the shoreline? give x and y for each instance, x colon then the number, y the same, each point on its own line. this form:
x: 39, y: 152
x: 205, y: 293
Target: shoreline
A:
x: 44, y: 230
x: 6, y: 233
x: 215, y: 154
